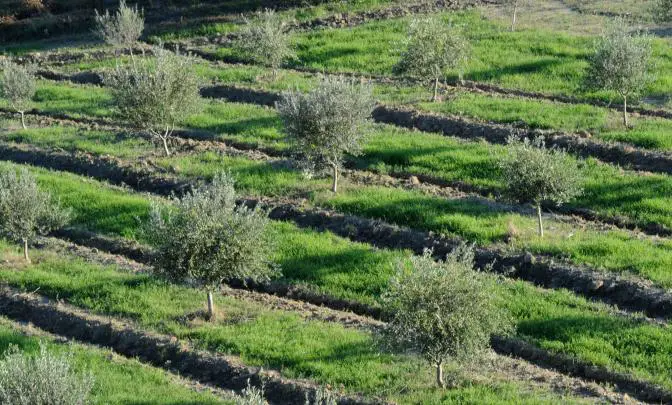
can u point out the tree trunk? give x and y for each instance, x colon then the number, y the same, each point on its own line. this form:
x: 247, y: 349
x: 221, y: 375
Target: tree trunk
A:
x: 23, y: 120
x: 211, y: 307
x: 515, y: 14
x: 130, y: 51
x: 625, y: 111
x: 164, y: 139
x: 436, y: 90
x: 541, y: 226
x: 25, y: 251
x: 439, y: 375
x: 334, y: 185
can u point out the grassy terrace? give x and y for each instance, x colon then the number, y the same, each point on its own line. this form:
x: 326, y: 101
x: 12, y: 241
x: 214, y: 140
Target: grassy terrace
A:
x: 117, y: 380
x: 615, y: 251
x: 609, y: 190
x: 603, y: 123
x: 555, y: 320
x: 533, y: 59
x: 325, y: 352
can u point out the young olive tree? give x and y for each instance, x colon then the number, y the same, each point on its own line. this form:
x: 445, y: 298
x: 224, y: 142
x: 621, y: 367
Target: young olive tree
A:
x: 442, y: 310
x: 25, y: 210
x: 156, y: 95
x: 206, y: 239
x: 533, y: 173
x: 121, y: 29
x: 432, y: 47
x: 620, y: 63
x: 266, y: 40
x: 18, y: 87
x: 42, y: 379
x: 328, y: 122
x: 514, y: 7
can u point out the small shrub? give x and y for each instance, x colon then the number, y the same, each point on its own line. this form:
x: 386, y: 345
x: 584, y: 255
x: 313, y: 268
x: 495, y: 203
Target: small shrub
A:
x: 432, y: 48
x: 620, y: 63
x: 42, y: 379
x: 156, y: 95
x: 205, y: 238
x: 18, y: 87
x: 442, y: 310
x: 25, y: 211
x: 121, y: 29
x: 535, y: 174
x: 322, y: 397
x: 326, y: 123
x: 251, y: 396
x: 265, y: 40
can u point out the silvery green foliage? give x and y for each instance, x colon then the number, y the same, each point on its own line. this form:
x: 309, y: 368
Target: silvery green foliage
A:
x: 41, y: 379
x: 266, y: 40
x: 444, y: 311
x: 121, y: 29
x: 432, y: 48
x: 322, y: 397
x: 327, y: 122
x: 251, y: 396
x: 663, y: 11
x: 620, y: 62
x: 155, y: 95
x: 25, y: 210
x: 17, y: 86
x: 533, y: 173
x: 205, y: 238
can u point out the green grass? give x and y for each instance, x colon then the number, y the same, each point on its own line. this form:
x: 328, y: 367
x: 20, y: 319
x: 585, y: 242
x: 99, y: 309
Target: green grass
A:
x: 556, y: 320
x: 601, y: 123
x: 324, y: 352
x: 609, y: 190
x: 614, y: 251
x: 117, y: 380
x: 534, y: 59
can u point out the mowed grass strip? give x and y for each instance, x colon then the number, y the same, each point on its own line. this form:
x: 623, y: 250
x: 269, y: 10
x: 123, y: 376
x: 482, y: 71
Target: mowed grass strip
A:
x: 642, y: 198
x: 118, y: 380
x: 473, y: 220
x: 556, y: 320
x: 327, y: 353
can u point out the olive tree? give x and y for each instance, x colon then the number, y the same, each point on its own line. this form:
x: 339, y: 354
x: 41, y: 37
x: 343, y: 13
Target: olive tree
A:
x: 442, y: 310
x: 620, y: 63
x: 18, y: 87
x: 25, y: 210
x: 431, y: 48
x: 205, y: 238
x: 533, y: 173
x: 121, y: 29
x: 327, y: 122
x: 156, y: 95
x: 42, y: 379
x: 266, y: 40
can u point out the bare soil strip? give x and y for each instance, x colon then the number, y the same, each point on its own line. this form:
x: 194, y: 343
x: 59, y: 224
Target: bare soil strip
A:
x: 498, y: 365
x: 629, y: 294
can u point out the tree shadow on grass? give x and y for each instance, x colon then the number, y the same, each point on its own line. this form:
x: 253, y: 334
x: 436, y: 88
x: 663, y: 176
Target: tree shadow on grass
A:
x: 523, y: 68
